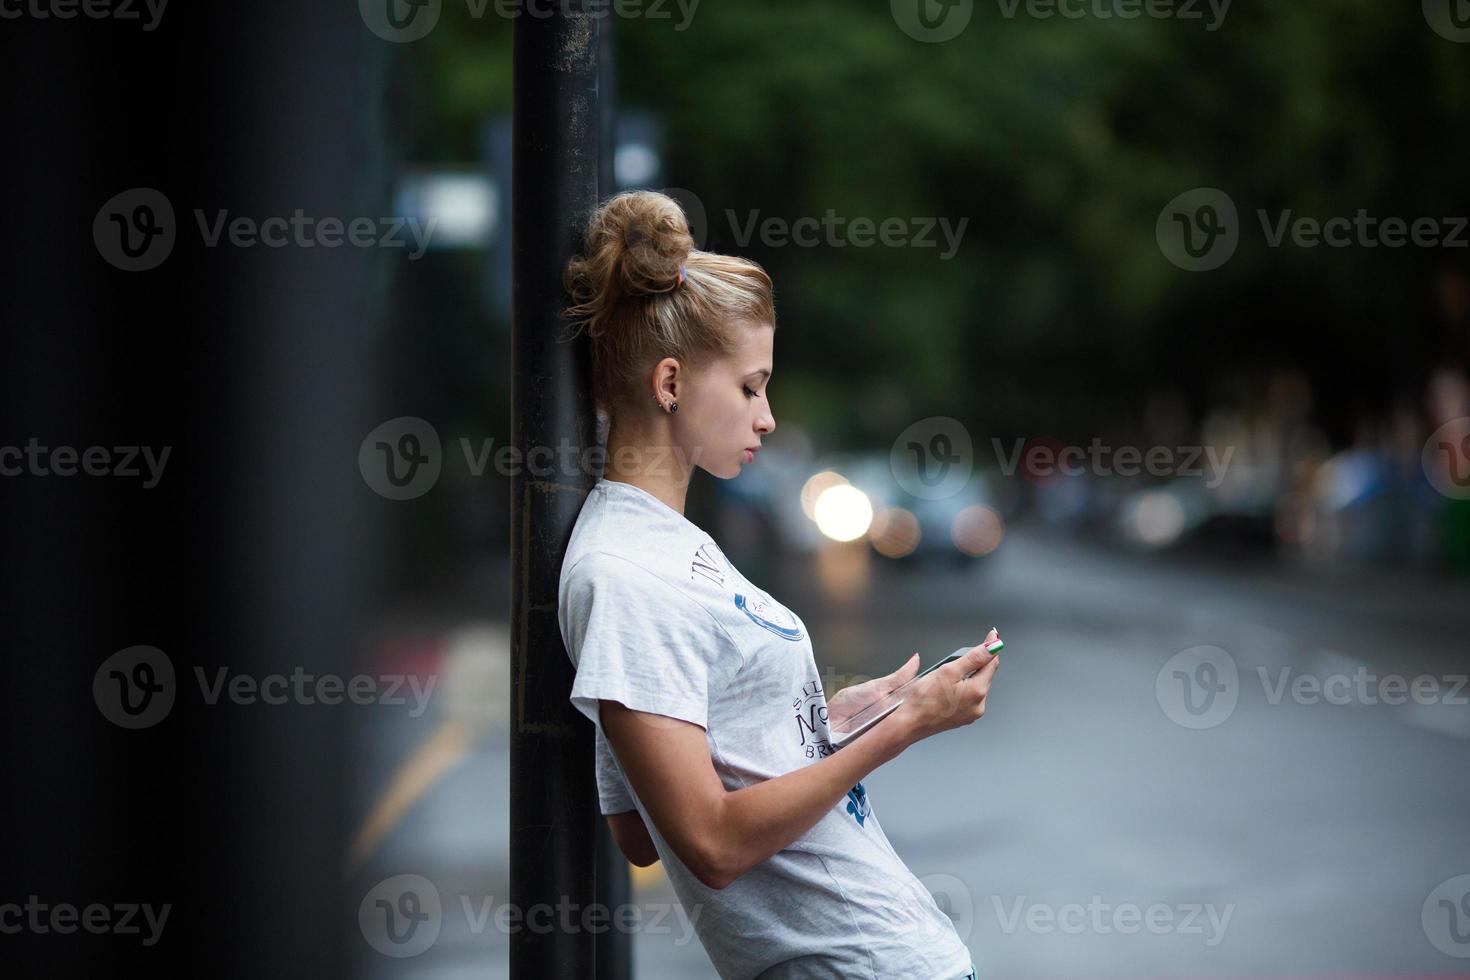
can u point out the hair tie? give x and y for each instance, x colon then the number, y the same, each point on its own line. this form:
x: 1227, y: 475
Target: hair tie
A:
x: 681, y: 275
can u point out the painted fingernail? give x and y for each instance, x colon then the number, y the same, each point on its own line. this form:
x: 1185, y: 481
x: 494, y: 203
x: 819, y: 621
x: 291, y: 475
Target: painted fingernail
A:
x: 993, y: 647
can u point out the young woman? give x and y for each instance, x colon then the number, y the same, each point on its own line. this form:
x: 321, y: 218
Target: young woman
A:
x: 713, y: 750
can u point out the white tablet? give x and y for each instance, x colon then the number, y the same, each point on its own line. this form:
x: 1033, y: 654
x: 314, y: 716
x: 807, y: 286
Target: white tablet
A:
x: 870, y: 715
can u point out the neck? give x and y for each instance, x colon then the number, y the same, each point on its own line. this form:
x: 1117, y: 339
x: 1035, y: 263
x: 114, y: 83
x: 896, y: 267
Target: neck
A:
x: 650, y: 462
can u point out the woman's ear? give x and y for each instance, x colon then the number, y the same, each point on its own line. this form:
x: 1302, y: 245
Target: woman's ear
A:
x: 667, y: 375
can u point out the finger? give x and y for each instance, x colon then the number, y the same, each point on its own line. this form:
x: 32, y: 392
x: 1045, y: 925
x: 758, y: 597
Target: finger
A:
x: 985, y: 675
x: 976, y: 657
x: 907, y: 671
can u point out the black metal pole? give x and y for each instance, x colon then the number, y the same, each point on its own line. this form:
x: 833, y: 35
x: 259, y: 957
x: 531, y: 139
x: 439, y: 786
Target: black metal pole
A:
x: 553, y: 805
x: 615, y: 946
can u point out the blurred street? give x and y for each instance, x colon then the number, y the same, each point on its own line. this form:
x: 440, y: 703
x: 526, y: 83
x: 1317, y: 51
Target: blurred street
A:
x: 1139, y: 331
x: 1295, y: 837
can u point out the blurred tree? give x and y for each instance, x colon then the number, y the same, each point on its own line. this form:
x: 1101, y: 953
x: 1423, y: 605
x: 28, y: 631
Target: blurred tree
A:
x: 1060, y: 141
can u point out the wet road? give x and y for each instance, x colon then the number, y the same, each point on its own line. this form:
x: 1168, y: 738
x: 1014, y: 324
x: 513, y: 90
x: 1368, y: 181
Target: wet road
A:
x: 1186, y: 768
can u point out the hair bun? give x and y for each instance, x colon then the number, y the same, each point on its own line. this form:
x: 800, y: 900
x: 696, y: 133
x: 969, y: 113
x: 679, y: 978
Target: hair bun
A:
x: 636, y: 243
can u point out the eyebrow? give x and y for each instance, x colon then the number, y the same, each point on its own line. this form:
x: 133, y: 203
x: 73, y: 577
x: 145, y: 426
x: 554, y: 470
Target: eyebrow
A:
x: 762, y: 371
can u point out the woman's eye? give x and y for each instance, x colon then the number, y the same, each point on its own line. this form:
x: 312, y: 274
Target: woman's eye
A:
x: 748, y: 392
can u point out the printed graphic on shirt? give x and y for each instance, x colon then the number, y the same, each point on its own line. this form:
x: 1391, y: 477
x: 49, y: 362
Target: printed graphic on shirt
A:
x: 857, y: 803
x: 710, y: 562
x: 811, y: 712
x: 763, y: 612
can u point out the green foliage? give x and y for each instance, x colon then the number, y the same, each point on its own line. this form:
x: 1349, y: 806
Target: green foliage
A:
x: 1060, y: 140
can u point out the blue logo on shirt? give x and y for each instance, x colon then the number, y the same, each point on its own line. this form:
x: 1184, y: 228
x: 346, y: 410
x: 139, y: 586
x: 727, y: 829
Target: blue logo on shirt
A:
x: 857, y: 803
x: 749, y: 607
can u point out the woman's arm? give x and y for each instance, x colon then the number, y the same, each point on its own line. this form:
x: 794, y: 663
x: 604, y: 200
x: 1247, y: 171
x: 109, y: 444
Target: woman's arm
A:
x: 720, y: 834
x: 632, y: 837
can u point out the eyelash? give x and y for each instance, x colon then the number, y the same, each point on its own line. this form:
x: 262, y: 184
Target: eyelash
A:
x: 748, y: 392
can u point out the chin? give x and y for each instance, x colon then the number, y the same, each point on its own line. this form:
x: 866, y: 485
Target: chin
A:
x: 729, y: 473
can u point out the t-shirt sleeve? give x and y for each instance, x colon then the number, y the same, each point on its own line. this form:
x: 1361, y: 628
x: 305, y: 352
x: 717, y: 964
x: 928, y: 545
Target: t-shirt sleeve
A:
x: 639, y: 640
x: 613, y: 795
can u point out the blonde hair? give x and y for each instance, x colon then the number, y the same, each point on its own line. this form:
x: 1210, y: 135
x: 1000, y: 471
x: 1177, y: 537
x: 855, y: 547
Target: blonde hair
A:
x: 628, y: 295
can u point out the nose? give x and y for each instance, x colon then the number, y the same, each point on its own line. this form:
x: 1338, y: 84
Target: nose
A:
x: 766, y: 423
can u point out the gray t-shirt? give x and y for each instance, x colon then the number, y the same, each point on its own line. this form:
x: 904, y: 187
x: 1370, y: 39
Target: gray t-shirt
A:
x: 655, y: 617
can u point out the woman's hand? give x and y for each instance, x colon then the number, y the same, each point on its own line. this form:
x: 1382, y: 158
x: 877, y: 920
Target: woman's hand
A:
x: 850, y: 700
x: 946, y: 698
